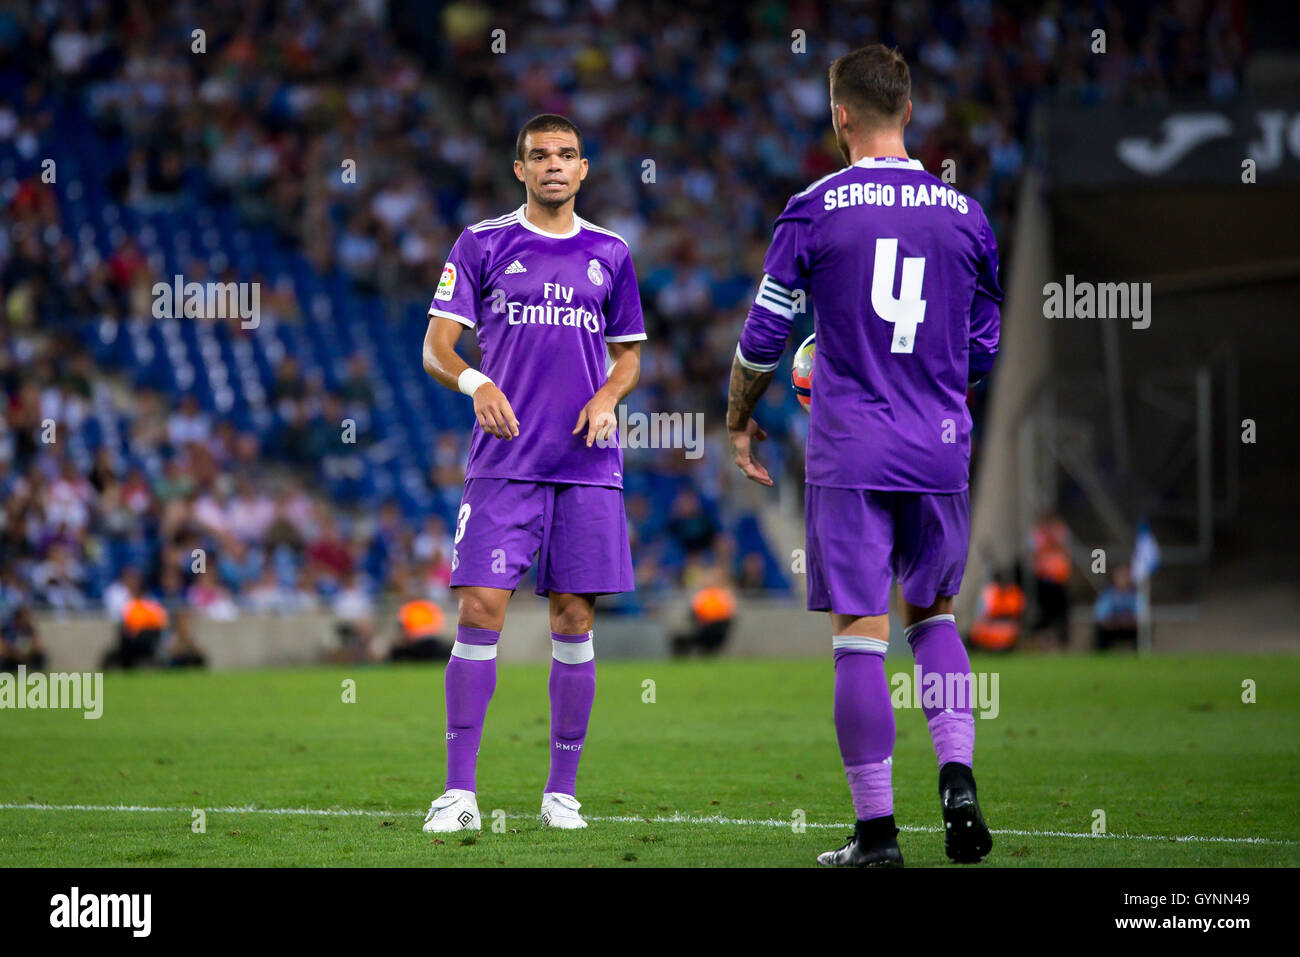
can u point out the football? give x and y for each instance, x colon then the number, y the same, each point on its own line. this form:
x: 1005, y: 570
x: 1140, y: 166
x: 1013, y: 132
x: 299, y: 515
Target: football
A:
x: 801, y: 374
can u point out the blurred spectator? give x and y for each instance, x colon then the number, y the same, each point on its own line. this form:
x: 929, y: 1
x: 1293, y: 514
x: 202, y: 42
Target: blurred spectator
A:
x: 354, y: 622
x: 753, y: 574
x: 713, y: 607
x: 208, y: 595
x: 128, y: 586
x: 1000, y: 615
x: 19, y: 642
x: 692, y: 526
x: 328, y: 553
x: 1051, y: 556
x: 181, y: 651
x: 1116, y: 613
x: 138, y: 634
x: 188, y: 424
x: 250, y: 512
x: 60, y: 580
x: 238, y: 565
x: 419, y: 633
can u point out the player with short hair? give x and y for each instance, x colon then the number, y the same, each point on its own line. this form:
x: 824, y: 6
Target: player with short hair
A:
x: 902, y: 272
x: 553, y: 300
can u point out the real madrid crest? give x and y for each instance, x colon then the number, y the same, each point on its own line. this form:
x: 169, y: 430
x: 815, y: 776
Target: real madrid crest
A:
x: 594, y: 274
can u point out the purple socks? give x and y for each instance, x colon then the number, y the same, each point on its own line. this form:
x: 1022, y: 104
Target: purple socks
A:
x: 938, y: 650
x: 864, y: 713
x: 471, y: 679
x: 573, y: 689
x: 864, y: 723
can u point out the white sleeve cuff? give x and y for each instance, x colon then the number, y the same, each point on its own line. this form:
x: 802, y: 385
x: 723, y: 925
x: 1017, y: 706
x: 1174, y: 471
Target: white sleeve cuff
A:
x: 451, y: 315
x: 755, y: 366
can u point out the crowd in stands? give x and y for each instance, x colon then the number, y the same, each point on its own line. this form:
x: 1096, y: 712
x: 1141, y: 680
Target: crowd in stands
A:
x: 366, y: 135
x: 198, y: 519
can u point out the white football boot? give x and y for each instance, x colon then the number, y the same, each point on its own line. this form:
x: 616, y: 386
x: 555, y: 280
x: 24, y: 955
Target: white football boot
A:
x: 456, y: 810
x: 561, y: 811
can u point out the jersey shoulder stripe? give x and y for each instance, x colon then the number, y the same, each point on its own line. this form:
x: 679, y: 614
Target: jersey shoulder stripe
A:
x: 813, y: 186
x: 599, y: 229
x: 865, y: 163
x: 496, y: 223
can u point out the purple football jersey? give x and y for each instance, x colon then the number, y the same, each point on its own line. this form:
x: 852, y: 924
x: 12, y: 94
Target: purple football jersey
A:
x: 543, y: 305
x: 901, y: 271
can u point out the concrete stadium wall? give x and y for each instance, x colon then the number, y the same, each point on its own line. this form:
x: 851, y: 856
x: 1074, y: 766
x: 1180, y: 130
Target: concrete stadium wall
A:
x: 78, y: 643
x: 762, y: 629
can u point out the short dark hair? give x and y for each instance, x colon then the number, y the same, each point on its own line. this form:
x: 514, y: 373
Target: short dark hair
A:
x: 873, y: 82
x: 546, y: 123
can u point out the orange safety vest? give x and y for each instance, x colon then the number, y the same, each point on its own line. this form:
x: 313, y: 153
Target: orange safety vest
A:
x: 143, y: 614
x: 1008, y: 601
x: 998, y: 628
x: 712, y: 605
x: 420, y: 619
x: 1051, y: 558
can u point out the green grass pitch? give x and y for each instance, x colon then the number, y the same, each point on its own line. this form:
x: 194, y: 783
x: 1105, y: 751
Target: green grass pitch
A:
x: 716, y: 770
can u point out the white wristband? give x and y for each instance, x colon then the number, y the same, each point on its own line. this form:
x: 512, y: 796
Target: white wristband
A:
x: 469, y: 381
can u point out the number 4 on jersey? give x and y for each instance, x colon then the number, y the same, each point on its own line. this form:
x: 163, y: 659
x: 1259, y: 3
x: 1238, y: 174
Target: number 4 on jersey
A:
x: 908, y: 310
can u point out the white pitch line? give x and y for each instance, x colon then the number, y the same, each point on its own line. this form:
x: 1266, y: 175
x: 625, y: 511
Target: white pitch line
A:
x: 776, y: 822
x: 231, y: 809
x: 634, y: 819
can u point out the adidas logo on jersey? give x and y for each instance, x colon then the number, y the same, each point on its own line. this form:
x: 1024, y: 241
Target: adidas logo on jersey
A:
x: 515, y: 267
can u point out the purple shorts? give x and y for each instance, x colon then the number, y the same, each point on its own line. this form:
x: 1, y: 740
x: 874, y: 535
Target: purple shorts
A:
x: 577, y: 534
x: 860, y: 540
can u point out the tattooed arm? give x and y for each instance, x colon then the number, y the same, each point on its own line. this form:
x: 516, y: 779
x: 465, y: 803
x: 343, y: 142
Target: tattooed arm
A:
x: 783, y: 290
x: 747, y: 387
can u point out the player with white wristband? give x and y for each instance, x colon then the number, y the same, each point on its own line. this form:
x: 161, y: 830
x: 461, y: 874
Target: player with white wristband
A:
x: 553, y: 301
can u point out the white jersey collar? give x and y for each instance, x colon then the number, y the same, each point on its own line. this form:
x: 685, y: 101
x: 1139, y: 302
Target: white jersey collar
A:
x: 888, y: 162
x: 523, y: 221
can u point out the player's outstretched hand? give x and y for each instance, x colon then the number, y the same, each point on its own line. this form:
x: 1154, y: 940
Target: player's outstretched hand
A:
x: 493, y: 411
x: 742, y: 448
x: 598, y: 417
